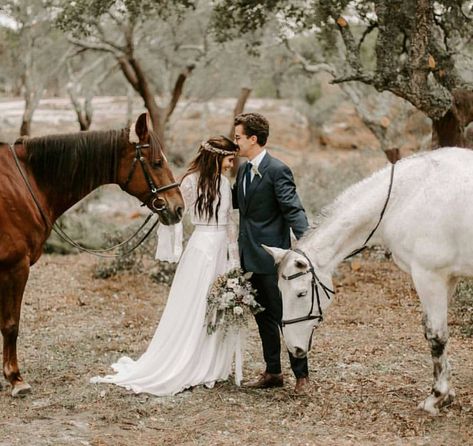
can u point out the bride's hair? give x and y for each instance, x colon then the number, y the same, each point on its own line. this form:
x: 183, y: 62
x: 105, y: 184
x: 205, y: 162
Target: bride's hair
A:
x: 208, y: 163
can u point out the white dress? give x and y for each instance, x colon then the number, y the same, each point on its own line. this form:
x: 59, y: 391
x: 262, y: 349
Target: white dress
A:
x: 181, y: 353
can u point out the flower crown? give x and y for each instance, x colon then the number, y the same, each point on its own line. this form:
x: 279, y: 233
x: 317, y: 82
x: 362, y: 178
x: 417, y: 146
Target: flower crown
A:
x: 206, y: 146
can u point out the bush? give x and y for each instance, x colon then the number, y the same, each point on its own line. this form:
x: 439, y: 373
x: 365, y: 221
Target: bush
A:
x: 462, y: 308
x: 87, y: 230
x: 132, y: 262
x: 164, y: 272
x: 319, y: 182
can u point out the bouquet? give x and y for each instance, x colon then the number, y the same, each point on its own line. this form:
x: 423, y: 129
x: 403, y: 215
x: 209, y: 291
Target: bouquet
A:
x: 230, y: 301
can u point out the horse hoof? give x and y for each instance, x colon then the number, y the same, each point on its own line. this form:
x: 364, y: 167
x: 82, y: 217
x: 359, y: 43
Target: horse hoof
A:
x: 449, y: 397
x: 428, y: 406
x: 20, y: 389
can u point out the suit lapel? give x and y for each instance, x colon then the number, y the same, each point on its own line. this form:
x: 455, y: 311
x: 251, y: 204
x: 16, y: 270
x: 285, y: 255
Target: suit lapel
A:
x: 241, y: 195
x: 257, y: 179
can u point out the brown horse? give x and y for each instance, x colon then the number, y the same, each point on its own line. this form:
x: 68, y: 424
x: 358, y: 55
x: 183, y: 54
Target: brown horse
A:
x: 49, y: 175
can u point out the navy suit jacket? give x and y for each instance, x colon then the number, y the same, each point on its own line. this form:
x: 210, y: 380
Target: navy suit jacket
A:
x: 270, y: 208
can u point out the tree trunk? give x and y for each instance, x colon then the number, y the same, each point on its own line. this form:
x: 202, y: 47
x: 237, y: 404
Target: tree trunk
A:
x: 31, y: 103
x: 449, y: 131
x: 129, y: 106
x: 25, y: 129
x: 239, y: 108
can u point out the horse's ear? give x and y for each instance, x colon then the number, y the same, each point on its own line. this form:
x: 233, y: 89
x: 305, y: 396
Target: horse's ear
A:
x: 277, y: 253
x: 142, y: 128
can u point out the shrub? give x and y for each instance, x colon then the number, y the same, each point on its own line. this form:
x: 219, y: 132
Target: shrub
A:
x: 320, y: 182
x: 462, y: 308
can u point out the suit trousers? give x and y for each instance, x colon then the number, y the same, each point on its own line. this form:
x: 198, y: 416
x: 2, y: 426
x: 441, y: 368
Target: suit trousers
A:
x: 269, y: 323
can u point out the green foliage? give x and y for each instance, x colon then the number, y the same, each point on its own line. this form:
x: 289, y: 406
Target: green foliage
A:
x: 265, y: 88
x: 163, y: 272
x: 132, y: 262
x: 80, y: 17
x: 86, y: 231
x: 312, y: 91
x: 231, y: 18
x: 462, y: 308
x: 319, y: 183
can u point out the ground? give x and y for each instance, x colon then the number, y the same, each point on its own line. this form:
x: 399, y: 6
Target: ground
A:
x: 369, y: 367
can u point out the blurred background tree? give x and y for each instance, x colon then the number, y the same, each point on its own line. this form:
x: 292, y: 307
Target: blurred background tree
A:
x: 31, y: 44
x: 419, y: 54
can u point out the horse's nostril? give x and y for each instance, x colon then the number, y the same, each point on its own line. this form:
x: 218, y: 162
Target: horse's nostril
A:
x: 179, y: 211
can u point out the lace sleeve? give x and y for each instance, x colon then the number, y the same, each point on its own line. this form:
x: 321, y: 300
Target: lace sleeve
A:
x: 232, y: 233
x: 169, y: 247
x: 189, y: 191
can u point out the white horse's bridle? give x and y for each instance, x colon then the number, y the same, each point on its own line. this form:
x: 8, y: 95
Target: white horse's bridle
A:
x: 315, y: 293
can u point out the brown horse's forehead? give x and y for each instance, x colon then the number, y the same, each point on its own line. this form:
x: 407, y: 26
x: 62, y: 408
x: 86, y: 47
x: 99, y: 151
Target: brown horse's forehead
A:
x: 156, y: 146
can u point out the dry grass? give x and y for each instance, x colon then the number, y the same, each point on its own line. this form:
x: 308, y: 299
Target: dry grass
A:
x: 370, y: 367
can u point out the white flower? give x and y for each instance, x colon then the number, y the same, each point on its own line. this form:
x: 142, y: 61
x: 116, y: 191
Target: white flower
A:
x: 255, y: 170
x: 225, y: 300
x: 239, y: 290
x: 248, y: 299
x: 237, y: 310
x: 232, y: 283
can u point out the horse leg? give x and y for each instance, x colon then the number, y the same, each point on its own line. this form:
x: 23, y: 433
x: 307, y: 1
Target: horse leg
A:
x: 12, y: 284
x: 434, y: 292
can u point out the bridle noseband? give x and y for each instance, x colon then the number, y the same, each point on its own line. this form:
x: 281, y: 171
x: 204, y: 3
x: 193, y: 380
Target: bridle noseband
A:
x: 157, y: 203
x: 315, y: 293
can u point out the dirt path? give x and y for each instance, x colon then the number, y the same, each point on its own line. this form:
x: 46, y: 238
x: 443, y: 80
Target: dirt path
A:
x: 370, y: 367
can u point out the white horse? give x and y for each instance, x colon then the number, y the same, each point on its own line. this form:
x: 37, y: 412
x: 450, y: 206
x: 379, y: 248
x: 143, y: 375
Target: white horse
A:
x: 428, y: 227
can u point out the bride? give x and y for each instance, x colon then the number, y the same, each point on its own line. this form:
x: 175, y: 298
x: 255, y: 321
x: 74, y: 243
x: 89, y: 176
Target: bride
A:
x: 181, y: 353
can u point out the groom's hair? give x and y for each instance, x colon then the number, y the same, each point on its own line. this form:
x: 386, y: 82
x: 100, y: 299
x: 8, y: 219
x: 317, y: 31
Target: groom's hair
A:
x: 254, y: 124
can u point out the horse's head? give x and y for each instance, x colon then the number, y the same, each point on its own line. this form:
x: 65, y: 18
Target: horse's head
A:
x: 305, y: 294
x: 144, y: 172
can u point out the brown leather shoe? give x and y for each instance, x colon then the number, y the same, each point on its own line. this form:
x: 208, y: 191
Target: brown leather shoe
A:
x: 267, y: 380
x: 301, y: 385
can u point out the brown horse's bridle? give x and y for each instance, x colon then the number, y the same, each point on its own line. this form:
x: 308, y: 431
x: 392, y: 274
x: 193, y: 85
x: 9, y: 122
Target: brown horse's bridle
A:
x: 157, y: 203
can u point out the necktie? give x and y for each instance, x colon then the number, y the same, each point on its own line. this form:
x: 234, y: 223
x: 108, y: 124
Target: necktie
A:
x: 247, y: 177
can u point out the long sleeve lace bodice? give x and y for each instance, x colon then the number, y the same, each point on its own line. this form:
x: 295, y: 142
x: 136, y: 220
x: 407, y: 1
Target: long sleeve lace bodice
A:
x: 189, y: 193
x: 170, y: 237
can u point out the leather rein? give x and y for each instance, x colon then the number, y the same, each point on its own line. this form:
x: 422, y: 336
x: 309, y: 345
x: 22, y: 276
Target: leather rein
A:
x: 315, y: 298
x: 157, y: 204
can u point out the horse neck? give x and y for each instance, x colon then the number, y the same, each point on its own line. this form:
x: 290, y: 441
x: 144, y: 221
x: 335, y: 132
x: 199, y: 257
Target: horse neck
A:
x: 60, y: 204
x: 351, y: 219
x: 60, y: 196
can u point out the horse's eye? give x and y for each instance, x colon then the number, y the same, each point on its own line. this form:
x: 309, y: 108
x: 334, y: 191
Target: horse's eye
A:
x: 302, y: 293
x: 157, y: 164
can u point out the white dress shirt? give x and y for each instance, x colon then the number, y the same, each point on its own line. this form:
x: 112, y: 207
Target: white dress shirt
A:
x: 256, y: 161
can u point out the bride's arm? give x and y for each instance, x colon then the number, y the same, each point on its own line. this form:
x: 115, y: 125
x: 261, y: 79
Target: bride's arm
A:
x: 232, y: 233
x: 170, y: 237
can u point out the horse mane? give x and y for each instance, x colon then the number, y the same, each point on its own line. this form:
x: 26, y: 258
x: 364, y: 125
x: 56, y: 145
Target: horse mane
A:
x: 351, y: 195
x: 75, y: 164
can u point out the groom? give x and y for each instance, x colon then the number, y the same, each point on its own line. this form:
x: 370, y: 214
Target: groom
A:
x: 265, y: 194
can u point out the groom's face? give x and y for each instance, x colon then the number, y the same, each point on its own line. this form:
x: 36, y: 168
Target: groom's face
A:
x: 245, y: 143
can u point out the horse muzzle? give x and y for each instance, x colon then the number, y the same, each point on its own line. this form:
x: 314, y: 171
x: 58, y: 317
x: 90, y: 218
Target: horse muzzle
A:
x: 166, y: 216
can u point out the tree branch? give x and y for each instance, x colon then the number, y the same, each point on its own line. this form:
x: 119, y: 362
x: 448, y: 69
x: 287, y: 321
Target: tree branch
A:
x: 94, y: 46
x: 177, y: 91
x: 309, y: 67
